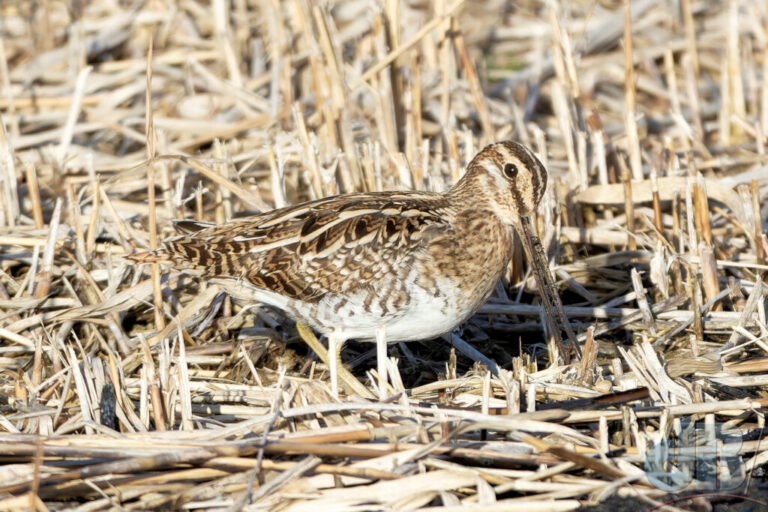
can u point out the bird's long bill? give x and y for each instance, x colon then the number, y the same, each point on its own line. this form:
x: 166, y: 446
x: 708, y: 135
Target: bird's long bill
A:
x: 552, y: 304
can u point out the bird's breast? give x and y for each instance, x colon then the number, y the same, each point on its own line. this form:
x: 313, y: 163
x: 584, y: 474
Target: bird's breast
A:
x: 472, y: 256
x: 442, y: 286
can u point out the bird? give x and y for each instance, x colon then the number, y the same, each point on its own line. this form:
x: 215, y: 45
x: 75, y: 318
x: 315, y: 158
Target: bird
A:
x: 399, y: 265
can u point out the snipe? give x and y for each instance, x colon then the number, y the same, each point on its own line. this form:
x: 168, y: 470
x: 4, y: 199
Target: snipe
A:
x: 400, y: 265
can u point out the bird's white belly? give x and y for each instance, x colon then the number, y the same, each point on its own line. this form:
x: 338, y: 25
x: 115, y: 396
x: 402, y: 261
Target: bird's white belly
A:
x: 424, y: 317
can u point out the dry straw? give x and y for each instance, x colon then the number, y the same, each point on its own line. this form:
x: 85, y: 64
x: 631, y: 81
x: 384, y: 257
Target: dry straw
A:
x: 137, y: 388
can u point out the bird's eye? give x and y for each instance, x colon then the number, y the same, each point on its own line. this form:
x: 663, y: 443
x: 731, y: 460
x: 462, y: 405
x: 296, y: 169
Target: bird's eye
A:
x: 510, y: 170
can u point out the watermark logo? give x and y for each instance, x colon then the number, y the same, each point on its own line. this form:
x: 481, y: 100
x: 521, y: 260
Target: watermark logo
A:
x: 702, y: 454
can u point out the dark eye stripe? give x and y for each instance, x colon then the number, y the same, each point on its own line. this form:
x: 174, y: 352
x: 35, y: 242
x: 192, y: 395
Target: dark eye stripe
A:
x: 541, y: 180
x: 539, y: 177
x: 516, y: 197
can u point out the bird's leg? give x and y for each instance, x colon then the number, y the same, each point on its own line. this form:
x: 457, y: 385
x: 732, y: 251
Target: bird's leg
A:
x: 381, y: 360
x: 329, y: 358
x: 334, y: 362
x: 552, y: 303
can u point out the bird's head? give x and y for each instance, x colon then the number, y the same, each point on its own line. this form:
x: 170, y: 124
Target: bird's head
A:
x: 509, y: 176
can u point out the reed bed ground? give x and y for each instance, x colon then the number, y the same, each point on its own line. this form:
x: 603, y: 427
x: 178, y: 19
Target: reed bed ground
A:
x: 128, y: 387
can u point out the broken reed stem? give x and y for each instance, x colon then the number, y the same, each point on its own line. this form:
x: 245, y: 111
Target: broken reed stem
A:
x: 223, y: 209
x: 657, y: 219
x: 629, y: 206
x: 642, y: 301
x: 708, y: 266
x: 93, y: 220
x: 310, y: 157
x: 735, y: 97
x: 633, y: 140
x: 701, y: 206
x: 157, y: 294
x: 34, y: 196
x: 563, y: 103
x: 152, y: 380
x: 690, y: 36
x: 394, y: 78
x: 46, y: 273
x: 9, y: 206
x: 589, y: 360
x: 474, y: 83
x: 9, y: 100
x: 694, y: 292
x: 754, y: 189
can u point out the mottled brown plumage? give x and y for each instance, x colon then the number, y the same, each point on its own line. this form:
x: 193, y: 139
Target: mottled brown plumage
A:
x: 416, y: 263
x: 307, y: 251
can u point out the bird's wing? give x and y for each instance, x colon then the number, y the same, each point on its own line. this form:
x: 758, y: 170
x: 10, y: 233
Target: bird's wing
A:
x: 308, y: 250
